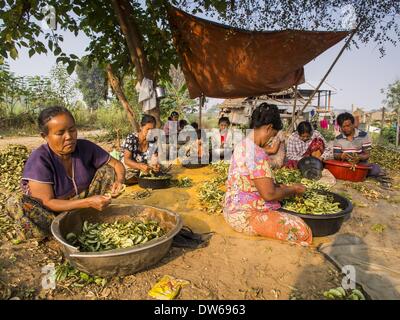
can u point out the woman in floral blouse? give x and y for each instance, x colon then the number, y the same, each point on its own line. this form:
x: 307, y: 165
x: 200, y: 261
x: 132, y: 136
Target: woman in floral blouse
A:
x: 139, y: 154
x: 252, y: 197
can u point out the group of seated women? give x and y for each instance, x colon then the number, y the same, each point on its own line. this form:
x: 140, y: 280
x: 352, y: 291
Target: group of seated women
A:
x: 67, y: 173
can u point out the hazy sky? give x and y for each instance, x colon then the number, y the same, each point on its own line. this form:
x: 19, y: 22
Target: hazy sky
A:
x: 358, y: 76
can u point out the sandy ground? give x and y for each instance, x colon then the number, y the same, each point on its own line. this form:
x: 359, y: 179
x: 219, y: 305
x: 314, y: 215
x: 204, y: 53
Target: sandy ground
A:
x: 232, y: 266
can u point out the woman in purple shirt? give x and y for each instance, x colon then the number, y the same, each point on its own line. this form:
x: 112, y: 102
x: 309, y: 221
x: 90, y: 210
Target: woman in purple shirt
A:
x: 65, y: 174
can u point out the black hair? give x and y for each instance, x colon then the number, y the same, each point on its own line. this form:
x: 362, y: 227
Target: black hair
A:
x: 343, y: 117
x: 224, y: 119
x: 174, y: 113
x: 195, y: 125
x: 49, y: 113
x: 199, y: 132
x: 266, y: 114
x: 304, y: 127
x: 182, y: 123
x: 148, y: 119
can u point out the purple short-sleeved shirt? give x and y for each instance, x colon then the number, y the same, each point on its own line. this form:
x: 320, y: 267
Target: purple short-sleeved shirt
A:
x: 44, y: 166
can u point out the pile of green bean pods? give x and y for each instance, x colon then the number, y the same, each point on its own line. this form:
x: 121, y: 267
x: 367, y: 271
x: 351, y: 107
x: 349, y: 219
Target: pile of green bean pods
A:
x: 108, y: 236
x: 312, y: 202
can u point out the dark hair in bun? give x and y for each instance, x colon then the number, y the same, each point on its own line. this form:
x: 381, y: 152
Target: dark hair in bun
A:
x: 304, y: 127
x: 266, y: 114
x: 147, y: 119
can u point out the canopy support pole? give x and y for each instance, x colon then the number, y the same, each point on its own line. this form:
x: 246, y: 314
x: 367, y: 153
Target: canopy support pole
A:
x: 330, y: 68
x: 294, y: 108
x: 202, y: 98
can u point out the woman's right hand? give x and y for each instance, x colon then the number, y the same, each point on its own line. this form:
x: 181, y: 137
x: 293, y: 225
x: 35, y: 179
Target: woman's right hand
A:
x: 144, y: 168
x: 99, y: 202
x: 345, y: 156
x: 298, y: 188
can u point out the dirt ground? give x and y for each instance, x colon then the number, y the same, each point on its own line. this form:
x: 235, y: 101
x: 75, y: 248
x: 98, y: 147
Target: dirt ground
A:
x: 232, y: 266
x: 34, y: 141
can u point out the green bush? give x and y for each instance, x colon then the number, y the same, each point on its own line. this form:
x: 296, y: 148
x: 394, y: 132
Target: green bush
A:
x: 84, y: 118
x: 329, y: 135
x: 111, y: 118
x: 389, y: 135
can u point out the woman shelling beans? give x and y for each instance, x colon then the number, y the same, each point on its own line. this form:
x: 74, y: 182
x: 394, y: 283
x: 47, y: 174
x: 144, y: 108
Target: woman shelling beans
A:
x: 305, y: 142
x: 139, y: 154
x: 64, y: 174
x: 252, y: 197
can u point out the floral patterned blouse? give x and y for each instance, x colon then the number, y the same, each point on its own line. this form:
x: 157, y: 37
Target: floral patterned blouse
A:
x: 248, y: 162
x: 131, y: 144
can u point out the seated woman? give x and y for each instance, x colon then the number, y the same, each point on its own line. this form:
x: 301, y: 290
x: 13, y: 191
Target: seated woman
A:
x: 139, y: 154
x: 222, y: 140
x: 172, y: 124
x: 275, y: 149
x: 222, y: 137
x: 305, y: 142
x: 252, y: 197
x: 64, y: 174
x: 182, y: 125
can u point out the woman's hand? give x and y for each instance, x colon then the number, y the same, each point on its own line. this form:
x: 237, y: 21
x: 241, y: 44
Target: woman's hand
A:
x: 116, y: 188
x: 144, y: 168
x: 298, y: 188
x: 345, y: 156
x: 317, y: 154
x: 156, y: 167
x: 99, y: 202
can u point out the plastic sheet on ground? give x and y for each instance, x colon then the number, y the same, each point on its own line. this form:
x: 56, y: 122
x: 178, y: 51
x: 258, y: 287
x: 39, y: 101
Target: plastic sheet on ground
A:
x: 377, y: 268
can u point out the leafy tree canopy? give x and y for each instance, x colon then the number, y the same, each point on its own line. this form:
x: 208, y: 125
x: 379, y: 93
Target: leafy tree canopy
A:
x: 22, y: 24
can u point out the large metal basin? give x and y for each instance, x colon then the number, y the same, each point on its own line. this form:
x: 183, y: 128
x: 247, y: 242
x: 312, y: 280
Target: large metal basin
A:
x: 119, y: 261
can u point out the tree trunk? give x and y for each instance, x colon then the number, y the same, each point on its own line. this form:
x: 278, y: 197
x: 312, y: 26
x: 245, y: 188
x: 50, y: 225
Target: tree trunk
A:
x: 124, y: 12
x: 116, y: 86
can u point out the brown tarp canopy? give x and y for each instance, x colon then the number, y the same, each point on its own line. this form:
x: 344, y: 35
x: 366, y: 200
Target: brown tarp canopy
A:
x: 223, y: 62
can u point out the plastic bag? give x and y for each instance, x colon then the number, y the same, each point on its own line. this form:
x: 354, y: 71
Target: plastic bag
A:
x: 167, y: 288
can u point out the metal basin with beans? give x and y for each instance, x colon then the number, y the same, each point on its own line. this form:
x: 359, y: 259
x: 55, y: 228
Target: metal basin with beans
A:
x: 116, y: 262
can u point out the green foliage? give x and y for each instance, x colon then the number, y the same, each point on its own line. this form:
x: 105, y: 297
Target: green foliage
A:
x: 63, y: 85
x: 12, y: 162
x: 67, y: 275
x: 39, y: 93
x: 84, y: 118
x: 393, y: 96
x: 389, y: 134
x: 22, y: 98
x: 177, y: 99
x: 393, y: 102
x: 129, y: 84
x: 328, y: 134
x: 22, y: 24
x: 92, y: 83
x: 113, y: 117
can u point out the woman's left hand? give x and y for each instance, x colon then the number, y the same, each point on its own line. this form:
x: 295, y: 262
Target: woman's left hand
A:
x: 156, y: 167
x: 316, y: 154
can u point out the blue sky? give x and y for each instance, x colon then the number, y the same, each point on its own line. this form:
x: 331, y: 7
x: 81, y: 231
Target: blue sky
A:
x: 358, y: 76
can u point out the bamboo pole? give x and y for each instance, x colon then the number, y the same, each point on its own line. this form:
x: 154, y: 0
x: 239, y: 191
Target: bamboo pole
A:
x: 202, y: 98
x: 294, y: 107
x: 331, y: 67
